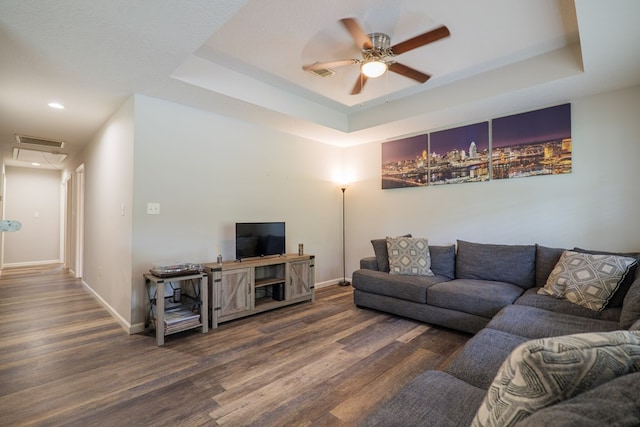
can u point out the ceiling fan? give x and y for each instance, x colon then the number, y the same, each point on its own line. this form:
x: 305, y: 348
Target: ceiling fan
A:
x: 378, y: 54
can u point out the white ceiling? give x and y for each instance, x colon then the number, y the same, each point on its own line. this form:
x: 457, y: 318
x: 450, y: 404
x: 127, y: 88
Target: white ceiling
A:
x: 243, y: 58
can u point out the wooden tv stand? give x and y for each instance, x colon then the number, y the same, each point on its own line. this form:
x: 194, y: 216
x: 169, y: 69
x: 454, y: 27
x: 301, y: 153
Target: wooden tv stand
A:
x: 242, y: 288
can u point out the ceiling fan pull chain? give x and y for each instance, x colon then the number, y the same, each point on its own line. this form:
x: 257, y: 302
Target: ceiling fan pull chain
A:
x: 386, y: 80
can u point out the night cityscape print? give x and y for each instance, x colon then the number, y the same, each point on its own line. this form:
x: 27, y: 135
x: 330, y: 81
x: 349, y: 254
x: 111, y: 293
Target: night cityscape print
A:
x: 459, y: 155
x: 533, y: 143
x: 405, y: 163
x: 521, y: 145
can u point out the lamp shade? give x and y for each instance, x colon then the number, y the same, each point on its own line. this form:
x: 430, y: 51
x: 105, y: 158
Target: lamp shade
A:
x: 373, y: 69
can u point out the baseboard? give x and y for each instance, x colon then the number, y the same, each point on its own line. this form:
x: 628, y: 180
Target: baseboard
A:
x: 330, y: 283
x: 129, y: 328
x: 30, y: 263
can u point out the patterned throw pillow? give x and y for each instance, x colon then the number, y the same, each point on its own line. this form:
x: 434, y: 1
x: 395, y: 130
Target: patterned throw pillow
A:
x: 589, y: 280
x: 409, y: 256
x: 543, y: 372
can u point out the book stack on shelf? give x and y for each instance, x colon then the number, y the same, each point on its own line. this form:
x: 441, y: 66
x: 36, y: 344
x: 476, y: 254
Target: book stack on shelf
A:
x: 180, y: 319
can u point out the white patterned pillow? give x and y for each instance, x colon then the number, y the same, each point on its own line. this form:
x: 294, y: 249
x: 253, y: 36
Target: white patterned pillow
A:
x: 543, y: 372
x: 409, y: 256
x: 589, y: 280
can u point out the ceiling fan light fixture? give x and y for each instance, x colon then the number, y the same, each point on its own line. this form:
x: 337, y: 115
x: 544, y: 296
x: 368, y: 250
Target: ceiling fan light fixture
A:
x: 374, y: 68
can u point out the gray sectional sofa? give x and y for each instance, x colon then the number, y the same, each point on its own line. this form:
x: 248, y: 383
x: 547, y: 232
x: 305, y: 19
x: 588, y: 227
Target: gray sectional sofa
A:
x: 492, y: 291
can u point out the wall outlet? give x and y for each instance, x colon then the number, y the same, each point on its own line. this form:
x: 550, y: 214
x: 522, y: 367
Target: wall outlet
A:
x: 153, y: 208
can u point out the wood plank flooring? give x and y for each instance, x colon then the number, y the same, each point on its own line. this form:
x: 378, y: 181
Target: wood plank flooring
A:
x: 65, y: 361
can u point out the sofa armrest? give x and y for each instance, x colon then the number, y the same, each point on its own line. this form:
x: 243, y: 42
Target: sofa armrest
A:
x: 369, y: 263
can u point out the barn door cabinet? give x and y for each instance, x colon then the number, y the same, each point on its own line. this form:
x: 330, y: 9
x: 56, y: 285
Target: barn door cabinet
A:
x: 242, y: 288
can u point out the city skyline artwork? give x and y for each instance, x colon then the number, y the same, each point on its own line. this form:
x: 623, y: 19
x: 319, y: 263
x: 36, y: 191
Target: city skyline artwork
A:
x: 527, y: 144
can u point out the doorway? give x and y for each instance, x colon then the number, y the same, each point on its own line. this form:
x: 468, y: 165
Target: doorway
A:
x: 74, y: 222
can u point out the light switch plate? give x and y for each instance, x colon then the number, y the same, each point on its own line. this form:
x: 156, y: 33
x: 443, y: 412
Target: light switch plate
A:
x: 153, y: 208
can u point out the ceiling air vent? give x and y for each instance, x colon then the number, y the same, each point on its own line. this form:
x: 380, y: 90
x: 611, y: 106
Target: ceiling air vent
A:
x: 323, y: 72
x: 41, y: 142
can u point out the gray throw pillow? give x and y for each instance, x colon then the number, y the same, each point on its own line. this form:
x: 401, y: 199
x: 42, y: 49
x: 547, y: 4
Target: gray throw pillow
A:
x: 381, y: 253
x: 630, y: 313
x: 546, y: 260
x: 443, y: 261
x: 513, y: 264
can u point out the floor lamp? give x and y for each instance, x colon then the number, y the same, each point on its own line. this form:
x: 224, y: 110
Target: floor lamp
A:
x: 344, y: 281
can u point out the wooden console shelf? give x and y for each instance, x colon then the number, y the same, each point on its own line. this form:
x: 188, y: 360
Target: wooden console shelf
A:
x: 242, y: 288
x: 268, y: 281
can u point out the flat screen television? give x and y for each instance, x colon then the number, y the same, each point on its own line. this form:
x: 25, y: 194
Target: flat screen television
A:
x: 259, y: 239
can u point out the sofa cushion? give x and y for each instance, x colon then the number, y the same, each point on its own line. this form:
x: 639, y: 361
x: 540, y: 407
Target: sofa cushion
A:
x: 631, y: 306
x: 419, y: 311
x: 409, y: 256
x: 411, y: 288
x: 634, y: 273
x: 481, y: 357
x: 614, y: 403
x: 589, y: 280
x: 531, y: 298
x: 443, y: 260
x: 533, y: 322
x: 433, y: 399
x: 543, y: 372
x: 501, y: 263
x: 480, y: 297
x: 546, y: 260
x: 380, y: 251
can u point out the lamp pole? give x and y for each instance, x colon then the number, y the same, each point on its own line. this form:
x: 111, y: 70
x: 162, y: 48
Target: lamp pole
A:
x: 344, y: 281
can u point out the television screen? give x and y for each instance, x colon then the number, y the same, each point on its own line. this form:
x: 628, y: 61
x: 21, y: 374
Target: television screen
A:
x: 259, y: 239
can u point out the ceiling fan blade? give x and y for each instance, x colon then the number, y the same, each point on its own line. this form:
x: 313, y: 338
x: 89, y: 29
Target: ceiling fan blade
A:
x: 360, y: 38
x: 409, y: 72
x: 357, y: 88
x: 421, y: 40
x: 321, y: 65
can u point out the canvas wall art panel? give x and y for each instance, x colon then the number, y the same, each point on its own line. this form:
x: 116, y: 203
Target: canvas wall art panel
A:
x: 404, y: 162
x: 533, y: 143
x: 459, y: 155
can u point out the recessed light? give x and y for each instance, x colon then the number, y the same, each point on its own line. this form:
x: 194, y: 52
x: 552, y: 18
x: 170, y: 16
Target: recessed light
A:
x: 35, y: 164
x: 56, y: 105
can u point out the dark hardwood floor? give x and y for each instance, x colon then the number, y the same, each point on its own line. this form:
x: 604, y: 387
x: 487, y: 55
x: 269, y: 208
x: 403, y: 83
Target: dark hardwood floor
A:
x: 65, y: 361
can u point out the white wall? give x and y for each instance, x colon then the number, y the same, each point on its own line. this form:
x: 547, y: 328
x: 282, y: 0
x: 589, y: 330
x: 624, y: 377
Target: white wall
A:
x: 33, y: 197
x: 208, y: 172
x: 596, y: 206
x: 108, y: 162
